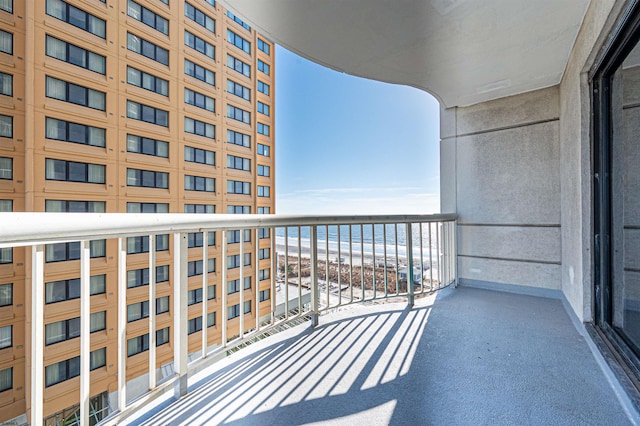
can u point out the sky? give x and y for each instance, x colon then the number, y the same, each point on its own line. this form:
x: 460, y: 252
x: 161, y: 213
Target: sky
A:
x: 348, y: 145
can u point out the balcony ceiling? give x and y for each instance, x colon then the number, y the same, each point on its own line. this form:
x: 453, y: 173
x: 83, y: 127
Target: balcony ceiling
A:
x: 461, y: 51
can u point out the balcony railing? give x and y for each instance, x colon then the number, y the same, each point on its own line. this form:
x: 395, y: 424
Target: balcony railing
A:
x: 312, y: 264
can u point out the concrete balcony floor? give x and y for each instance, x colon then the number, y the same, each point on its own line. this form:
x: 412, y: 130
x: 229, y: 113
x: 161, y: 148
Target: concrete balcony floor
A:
x: 467, y: 356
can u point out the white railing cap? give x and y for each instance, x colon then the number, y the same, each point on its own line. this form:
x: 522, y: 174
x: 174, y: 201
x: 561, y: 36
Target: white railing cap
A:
x: 22, y: 229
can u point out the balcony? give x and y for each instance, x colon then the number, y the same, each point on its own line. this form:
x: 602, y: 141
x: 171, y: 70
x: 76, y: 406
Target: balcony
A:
x: 387, y: 351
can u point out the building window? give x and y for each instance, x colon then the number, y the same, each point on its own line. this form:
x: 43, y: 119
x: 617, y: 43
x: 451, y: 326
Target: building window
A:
x: 162, y: 305
x: 238, y: 138
x: 97, y: 358
x: 263, y: 108
x: 6, y: 206
x: 6, y: 126
x: 6, y: 379
x: 140, y: 277
x: 147, y: 146
x: 76, y: 17
x: 239, y: 66
x: 238, y: 21
x: 147, y: 208
x: 98, y: 321
x: 238, y: 187
x: 62, y: 252
x: 60, y: 291
x: 162, y: 336
x: 199, y: 72
x: 137, y: 311
x: 6, y: 5
x: 239, y: 209
x: 238, y: 41
x: 6, y: 42
x: 196, y: 155
x: 147, y: 81
x: 211, y: 319
x: 238, y: 90
x: 238, y: 114
x: 199, y: 44
x: 199, y: 17
x: 263, y: 88
x: 147, y: 178
x: 264, y: 274
x: 211, y: 2
x: 136, y: 245
x: 233, y: 286
x: 147, y: 114
x: 70, y: 171
x: 75, y: 55
x: 195, y: 325
x: 265, y: 68
x: 147, y: 17
x: 211, y: 292
x: 194, y: 268
x: 265, y: 295
x: 238, y: 163
x: 75, y: 94
x: 234, y: 311
x: 264, y: 170
x: 6, y: 336
x: 74, y: 206
x: 199, y: 128
x: 264, y: 253
x: 233, y: 261
x: 264, y: 46
x: 146, y: 48
x: 264, y: 150
x: 196, y: 239
x: 233, y: 236
x: 200, y: 208
x: 198, y: 99
x: 264, y: 210
x: 68, y: 131
x: 6, y: 255
x: 263, y: 233
x: 264, y: 129
x: 6, y: 84
x: 6, y: 294
x: 199, y: 183
x: 194, y: 296
x: 138, y: 345
x: 264, y: 191
x: 6, y: 168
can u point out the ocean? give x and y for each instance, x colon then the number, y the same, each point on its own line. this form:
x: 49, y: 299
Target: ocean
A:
x: 368, y: 237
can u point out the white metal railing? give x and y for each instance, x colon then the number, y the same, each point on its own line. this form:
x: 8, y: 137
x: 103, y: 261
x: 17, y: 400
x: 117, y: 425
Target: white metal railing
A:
x: 316, y: 263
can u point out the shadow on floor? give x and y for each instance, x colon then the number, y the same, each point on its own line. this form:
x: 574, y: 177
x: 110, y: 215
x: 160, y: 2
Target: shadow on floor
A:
x: 473, y: 357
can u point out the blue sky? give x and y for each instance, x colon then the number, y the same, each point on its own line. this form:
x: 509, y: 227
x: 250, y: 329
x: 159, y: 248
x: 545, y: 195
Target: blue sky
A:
x: 347, y: 145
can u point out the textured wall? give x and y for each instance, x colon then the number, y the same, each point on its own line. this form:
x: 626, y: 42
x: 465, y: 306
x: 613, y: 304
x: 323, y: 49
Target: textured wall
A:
x: 500, y: 160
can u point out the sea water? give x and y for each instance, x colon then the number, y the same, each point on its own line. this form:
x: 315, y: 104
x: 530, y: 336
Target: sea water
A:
x: 365, y: 238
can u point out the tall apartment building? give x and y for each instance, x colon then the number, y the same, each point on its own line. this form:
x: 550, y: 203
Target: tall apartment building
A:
x: 127, y: 106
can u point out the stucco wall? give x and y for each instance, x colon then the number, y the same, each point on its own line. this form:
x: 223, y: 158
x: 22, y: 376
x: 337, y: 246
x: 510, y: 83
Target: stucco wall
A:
x: 501, y: 160
x: 575, y: 157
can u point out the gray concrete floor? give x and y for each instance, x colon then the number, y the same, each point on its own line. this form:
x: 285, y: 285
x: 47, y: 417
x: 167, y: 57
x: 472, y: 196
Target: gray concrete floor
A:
x: 471, y: 357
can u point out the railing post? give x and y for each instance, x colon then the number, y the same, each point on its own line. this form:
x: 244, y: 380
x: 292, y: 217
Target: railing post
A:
x: 454, y: 250
x: 122, y: 323
x: 313, y: 251
x: 180, y: 312
x: 85, y: 325
x: 37, y: 334
x: 409, y: 242
x: 152, y: 312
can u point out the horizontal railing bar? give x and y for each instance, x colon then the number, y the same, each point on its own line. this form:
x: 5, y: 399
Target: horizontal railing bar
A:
x: 25, y: 229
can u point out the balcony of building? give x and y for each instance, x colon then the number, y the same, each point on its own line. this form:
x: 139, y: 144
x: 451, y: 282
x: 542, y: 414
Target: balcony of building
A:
x: 363, y: 347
